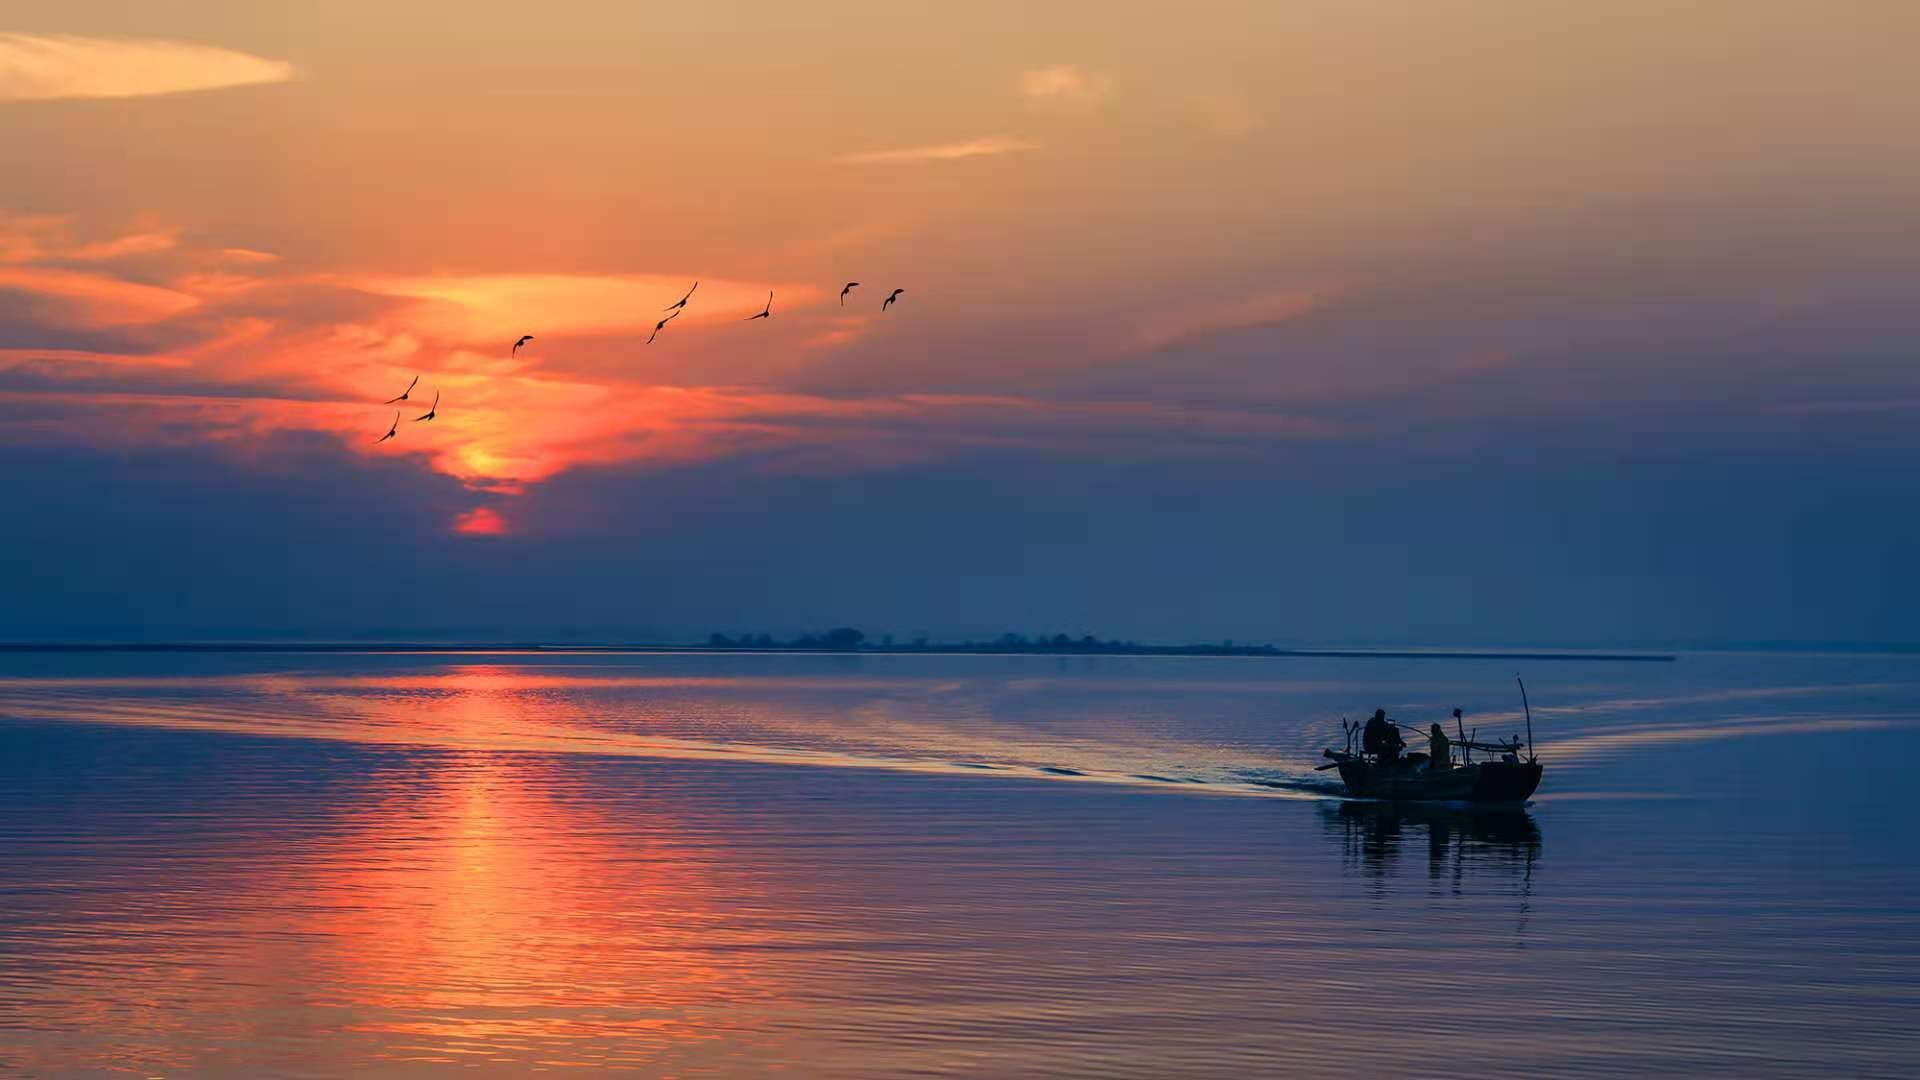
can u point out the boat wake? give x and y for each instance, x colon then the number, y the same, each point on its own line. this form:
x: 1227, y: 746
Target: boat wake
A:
x: 1308, y: 784
x: 20, y: 702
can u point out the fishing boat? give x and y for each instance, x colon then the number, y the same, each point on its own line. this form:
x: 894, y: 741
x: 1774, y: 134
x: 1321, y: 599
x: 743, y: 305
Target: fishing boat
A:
x: 1504, y: 776
x: 1410, y: 780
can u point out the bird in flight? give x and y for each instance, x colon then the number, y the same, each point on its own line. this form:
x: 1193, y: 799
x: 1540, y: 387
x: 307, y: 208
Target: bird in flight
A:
x: 524, y: 338
x: 431, y: 410
x: 845, y: 291
x: 662, y: 324
x: 392, y: 431
x: 404, y: 393
x: 765, y: 313
x: 682, y: 302
x: 891, y: 297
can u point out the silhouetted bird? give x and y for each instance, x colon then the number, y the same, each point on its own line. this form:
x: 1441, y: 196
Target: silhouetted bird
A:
x: 682, y: 302
x: 524, y: 338
x: 891, y: 297
x: 431, y: 410
x: 662, y: 324
x: 845, y: 291
x: 404, y: 393
x: 766, y: 313
x: 392, y: 431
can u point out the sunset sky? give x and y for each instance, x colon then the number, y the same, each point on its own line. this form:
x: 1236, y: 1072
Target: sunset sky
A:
x: 1308, y: 322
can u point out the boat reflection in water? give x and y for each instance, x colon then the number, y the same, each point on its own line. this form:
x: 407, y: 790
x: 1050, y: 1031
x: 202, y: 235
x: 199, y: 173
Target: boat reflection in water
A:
x: 1477, y: 849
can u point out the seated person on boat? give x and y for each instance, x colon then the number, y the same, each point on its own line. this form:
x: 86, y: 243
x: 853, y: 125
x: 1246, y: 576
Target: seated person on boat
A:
x: 1381, y: 738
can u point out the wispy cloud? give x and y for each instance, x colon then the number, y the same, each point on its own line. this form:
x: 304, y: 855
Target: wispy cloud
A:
x: 1202, y: 318
x: 24, y: 238
x: 1066, y: 87
x: 83, y: 299
x: 77, y: 364
x: 987, y: 146
x: 46, y: 67
x: 146, y: 243
x: 48, y: 238
x: 247, y: 255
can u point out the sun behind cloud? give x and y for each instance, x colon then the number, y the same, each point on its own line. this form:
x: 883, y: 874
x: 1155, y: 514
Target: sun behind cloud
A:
x: 236, y: 350
x: 480, y: 521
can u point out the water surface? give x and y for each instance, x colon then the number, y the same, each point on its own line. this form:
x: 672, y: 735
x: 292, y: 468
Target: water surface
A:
x: 883, y: 865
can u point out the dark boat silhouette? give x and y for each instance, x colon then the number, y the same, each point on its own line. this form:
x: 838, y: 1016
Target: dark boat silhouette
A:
x: 1503, y: 778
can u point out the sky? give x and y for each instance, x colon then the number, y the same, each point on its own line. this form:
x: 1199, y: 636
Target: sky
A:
x: 1489, y: 322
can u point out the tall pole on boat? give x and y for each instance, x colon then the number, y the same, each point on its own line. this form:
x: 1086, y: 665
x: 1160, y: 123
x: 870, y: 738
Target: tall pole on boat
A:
x: 1531, y: 756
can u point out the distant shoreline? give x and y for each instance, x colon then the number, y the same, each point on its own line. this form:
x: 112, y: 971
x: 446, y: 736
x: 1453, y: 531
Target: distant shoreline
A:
x: 1104, y: 649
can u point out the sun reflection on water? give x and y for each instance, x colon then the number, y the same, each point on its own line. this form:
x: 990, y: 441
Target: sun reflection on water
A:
x: 480, y: 908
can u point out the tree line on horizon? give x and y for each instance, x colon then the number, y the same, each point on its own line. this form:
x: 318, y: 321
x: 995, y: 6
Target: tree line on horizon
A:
x: 850, y: 639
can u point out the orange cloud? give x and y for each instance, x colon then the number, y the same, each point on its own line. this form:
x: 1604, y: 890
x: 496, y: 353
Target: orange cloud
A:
x: 93, y: 298
x: 45, y: 67
x: 48, y: 239
x: 502, y: 423
x: 75, y: 363
x: 24, y: 237
x: 502, y: 307
x: 146, y: 243
x: 246, y: 255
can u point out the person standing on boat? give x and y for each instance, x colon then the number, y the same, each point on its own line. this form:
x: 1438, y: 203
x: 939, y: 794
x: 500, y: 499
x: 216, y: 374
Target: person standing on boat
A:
x: 1439, y: 749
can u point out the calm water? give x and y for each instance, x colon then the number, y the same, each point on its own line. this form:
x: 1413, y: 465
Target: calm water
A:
x: 877, y: 866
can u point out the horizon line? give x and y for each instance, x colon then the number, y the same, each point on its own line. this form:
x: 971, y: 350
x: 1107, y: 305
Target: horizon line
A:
x: 1104, y: 648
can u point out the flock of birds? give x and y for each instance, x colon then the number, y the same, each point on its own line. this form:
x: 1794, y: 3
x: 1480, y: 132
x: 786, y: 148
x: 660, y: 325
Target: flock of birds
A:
x: 432, y: 410
x: 676, y: 308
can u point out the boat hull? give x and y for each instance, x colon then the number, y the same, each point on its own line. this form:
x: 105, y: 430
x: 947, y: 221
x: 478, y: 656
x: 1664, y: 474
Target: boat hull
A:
x: 1482, y: 781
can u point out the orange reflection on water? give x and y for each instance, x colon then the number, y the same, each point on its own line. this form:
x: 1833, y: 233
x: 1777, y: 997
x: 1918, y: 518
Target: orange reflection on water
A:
x: 482, y: 908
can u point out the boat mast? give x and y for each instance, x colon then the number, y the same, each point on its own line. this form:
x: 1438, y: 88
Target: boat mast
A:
x: 1531, y: 756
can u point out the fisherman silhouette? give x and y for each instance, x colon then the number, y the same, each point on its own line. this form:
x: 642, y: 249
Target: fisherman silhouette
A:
x: 1439, y: 749
x: 1381, y: 739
